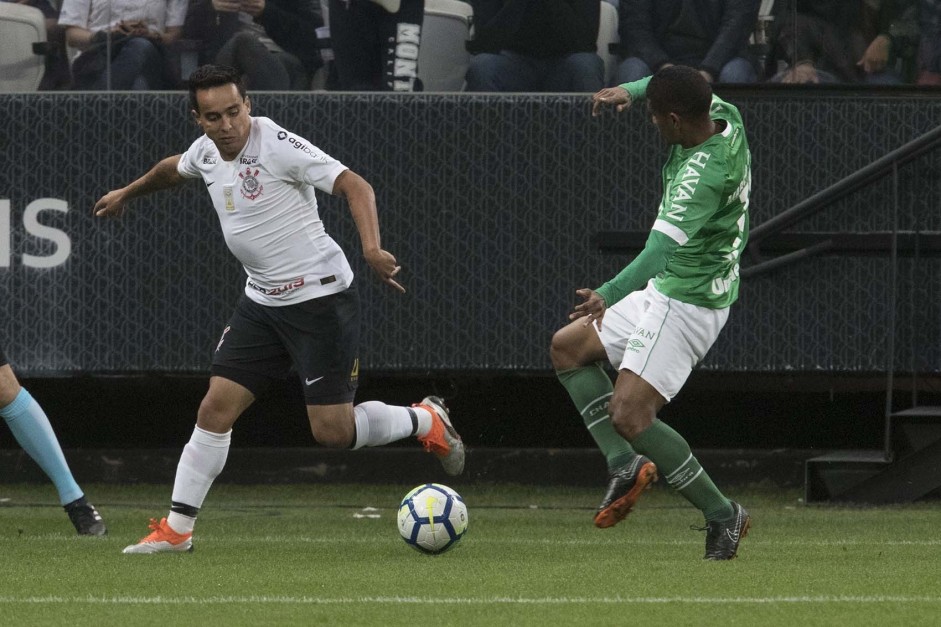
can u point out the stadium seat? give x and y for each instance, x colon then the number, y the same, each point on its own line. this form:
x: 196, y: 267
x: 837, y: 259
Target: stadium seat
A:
x: 22, y: 47
x: 607, y: 35
x: 442, y: 57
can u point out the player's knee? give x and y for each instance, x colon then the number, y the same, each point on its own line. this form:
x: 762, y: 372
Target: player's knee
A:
x: 561, y: 351
x: 629, y: 419
x: 332, y: 427
x: 331, y: 436
x: 9, y: 386
x: 215, y: 416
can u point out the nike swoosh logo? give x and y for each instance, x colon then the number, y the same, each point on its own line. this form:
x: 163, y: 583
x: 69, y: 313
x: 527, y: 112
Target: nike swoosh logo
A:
x: 312, y: 381
x: 209, y: 183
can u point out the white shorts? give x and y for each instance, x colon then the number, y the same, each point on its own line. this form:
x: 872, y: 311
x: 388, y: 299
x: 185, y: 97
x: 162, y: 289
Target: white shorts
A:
x: 659, y: 338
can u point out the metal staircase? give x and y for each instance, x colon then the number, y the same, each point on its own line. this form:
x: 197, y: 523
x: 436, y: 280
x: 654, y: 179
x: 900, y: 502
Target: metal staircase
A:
x: 909, y: 470
x: 908, y: 466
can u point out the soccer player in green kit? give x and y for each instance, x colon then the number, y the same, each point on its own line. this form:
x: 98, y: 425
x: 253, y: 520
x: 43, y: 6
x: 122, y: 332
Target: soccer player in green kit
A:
x: 659, y: 316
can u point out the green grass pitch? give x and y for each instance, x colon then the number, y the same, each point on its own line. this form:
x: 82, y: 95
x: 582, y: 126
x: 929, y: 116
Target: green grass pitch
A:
x: 313, y: 555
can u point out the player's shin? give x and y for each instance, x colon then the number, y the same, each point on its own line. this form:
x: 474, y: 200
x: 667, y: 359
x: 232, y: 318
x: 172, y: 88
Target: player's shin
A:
x: 34, y: 433
x: 378, y: 424
x: 672, y: 455
x: 201, y: 462
x: 590, y: 388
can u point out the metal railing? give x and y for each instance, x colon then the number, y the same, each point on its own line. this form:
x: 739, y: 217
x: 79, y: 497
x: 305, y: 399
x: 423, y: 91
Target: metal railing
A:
x: 916, y: 244
x: 929, y: 243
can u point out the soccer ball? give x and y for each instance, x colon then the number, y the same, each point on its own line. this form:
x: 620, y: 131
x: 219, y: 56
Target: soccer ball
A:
x: 432, y: 518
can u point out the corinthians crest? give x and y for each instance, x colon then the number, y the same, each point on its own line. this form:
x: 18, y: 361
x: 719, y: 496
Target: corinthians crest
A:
x: 251, y: 188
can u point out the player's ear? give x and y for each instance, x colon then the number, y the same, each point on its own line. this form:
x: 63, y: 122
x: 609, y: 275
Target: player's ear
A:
x: 248, y: 104
x: 195, y: 115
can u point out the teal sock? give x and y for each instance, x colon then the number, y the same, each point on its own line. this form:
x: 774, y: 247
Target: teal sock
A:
x: 590, y: 388
x: 683, y: 472
x: 32, y: 430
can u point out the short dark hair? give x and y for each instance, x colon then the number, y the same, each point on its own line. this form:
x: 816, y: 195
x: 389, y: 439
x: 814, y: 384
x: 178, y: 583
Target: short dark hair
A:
x: 208, y: 76
x: 681, y: 90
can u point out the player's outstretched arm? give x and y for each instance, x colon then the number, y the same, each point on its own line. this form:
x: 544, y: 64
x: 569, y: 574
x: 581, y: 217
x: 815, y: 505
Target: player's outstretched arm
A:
x: 616, y: 97
x: 161, y: 176
x: 361, y: 198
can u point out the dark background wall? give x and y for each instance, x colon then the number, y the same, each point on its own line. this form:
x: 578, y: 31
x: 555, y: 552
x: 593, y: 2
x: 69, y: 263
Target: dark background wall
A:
x: 491, y: 204
x: 714, y: 410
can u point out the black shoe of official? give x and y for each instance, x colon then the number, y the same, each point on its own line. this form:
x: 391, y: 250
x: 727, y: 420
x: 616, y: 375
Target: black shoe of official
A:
x: 86, y: 518
x: 624, y: 487
x: 723, y: 536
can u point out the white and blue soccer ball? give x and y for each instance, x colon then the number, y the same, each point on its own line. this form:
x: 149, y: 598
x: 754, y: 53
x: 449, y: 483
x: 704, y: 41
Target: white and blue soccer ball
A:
x: 432, y: 518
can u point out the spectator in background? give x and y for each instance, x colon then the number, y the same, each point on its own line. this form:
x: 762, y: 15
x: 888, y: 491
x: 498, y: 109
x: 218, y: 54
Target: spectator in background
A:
x: 123, y: 44
x: 375, y: 44
x: 844, y: 41
x: 709, y: 35
x: 272, y: 43
x: 535, y: 46
x: 929, y: 50
x: 56, y: 75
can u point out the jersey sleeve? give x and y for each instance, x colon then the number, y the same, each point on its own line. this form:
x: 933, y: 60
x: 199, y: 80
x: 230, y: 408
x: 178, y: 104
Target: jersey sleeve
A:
x: 176, y: 12
x: 320, y: 170
x: 74, y: 13
x: 637, y: 89
x: 649, y: 263
x: 187, y: 166
x: 296, y: 159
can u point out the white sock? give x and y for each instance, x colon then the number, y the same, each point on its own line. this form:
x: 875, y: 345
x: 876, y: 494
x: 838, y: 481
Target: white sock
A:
x: 201, y: 462
x: 180, y: 523
x: 424, y: 421
x: 378, y: 423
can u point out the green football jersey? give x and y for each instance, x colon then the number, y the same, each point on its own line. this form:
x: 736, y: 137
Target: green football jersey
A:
x: 705, y: 210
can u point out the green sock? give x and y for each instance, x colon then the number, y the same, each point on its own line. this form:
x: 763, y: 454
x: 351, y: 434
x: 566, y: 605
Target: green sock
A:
x: 590, y: 388
x: 670, y: 452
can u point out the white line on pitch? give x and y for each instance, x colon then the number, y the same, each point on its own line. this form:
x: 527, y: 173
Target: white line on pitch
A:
x: 395, y: 600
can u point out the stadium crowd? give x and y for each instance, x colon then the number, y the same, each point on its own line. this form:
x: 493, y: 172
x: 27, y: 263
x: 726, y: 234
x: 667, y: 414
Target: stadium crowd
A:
x: 515, y: 45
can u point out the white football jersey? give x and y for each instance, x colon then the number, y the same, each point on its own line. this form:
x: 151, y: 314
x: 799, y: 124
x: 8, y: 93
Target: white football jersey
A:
x: 268, y: 212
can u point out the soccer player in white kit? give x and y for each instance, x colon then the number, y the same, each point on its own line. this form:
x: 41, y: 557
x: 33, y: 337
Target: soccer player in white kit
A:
x: 299, y: 305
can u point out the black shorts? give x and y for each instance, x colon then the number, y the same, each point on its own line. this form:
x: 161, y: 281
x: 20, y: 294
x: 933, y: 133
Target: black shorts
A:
x: 320, y: 337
